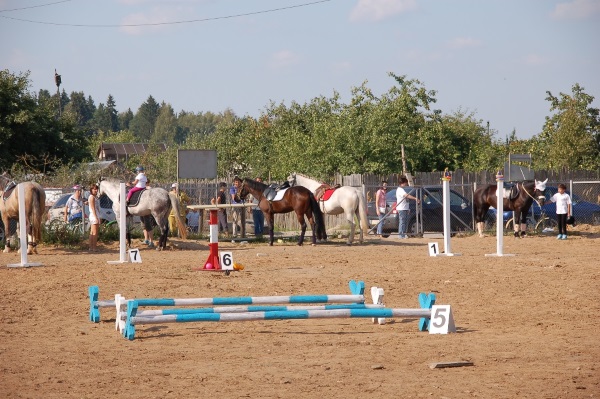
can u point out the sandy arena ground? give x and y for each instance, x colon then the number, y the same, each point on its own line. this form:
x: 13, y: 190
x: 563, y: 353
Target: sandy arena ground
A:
x: 529, y: 323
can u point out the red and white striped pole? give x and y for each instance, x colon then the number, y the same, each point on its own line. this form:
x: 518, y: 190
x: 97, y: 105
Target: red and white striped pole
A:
x: 212, y: 263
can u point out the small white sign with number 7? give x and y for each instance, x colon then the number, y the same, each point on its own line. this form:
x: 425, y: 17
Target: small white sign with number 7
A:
x: 135, y: 256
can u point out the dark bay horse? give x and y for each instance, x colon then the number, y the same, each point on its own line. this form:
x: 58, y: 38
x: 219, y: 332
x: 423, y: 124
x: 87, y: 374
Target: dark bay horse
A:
x: 298, y: 199
x: 35, y: 206
x: 517, y: 198
x: 153, y: 201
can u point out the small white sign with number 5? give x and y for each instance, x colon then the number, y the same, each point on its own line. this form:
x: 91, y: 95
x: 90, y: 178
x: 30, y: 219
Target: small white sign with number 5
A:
x: 442, y: 321
x: 226, y: 259
x: 135, y: 256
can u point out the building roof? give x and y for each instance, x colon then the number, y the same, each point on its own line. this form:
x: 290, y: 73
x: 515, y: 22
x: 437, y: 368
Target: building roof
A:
x: 108, y: 150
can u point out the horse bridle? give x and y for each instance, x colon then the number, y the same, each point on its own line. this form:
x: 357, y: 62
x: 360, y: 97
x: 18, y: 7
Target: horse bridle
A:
x: 531, y: 196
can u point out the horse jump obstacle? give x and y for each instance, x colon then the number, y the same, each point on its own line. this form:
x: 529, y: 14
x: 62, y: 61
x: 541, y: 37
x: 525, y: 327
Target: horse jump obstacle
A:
x: 500, y: 217
x: 446, y: 213
x: 356, y: 288
x: 127, y: 322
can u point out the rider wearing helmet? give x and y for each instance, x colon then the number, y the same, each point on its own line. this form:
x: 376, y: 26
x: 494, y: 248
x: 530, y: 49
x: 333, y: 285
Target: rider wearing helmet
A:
x: 139, y: 183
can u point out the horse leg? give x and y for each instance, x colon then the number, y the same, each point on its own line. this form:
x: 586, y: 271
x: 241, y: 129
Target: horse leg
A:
x: 7, y: 233
x: 313, y: 227
x: 270, y: 221
x: 360, y: 230
x: 350, y: 219
x: 31, y: 244
x: 516, y: 224
x: 480, y: 218
x: 302, y: 222
x: 523, y: 224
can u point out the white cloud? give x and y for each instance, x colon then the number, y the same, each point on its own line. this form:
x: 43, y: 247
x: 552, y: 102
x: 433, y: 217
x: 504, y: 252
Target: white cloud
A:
x: 463, y: 42
x: 576, y: 9
x: 283, y: 59
x: 377, y: 10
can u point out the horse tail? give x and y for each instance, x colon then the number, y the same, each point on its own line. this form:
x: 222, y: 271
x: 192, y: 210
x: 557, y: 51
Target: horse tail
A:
x: 38, y: 207
x: 362, y: 211
x: 180, y: 224
x: 319, y: 219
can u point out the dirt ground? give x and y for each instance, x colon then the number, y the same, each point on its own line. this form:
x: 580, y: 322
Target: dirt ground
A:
x: 528, y: 323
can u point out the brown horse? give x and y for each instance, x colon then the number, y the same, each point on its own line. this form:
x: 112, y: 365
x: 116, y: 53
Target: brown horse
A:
x: 298, y: 199
x: 518, y: 199
x: 35, y: 206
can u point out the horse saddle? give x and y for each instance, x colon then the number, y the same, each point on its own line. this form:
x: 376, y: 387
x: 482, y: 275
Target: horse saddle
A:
x: 274, y: 192
x: 324, y: 192
x: 135, y: 198
x: 8, y: 190
x: 513, y: 192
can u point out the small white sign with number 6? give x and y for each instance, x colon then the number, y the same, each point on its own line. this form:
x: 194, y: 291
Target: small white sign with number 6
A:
x: 226, y: 259
x: 135, y: 256
x: 442, y: 321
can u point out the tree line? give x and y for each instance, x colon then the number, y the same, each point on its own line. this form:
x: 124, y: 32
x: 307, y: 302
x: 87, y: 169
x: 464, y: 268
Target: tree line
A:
x: 44, y: 133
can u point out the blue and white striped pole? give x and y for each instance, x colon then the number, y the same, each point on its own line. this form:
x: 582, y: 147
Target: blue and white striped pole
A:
x: 133, y: 319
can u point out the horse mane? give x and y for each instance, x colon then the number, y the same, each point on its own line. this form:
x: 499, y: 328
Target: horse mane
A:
x: 255, y: 185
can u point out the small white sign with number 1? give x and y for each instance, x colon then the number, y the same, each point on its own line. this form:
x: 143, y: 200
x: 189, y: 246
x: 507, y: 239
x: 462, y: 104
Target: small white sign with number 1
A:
x: 433, y: 248
x: 135, y: 256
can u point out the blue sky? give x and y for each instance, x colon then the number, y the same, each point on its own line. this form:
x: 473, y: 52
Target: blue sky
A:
x: 494, y: 58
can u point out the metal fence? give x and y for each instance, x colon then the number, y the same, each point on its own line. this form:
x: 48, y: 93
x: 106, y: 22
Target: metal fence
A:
x: 201, y: 191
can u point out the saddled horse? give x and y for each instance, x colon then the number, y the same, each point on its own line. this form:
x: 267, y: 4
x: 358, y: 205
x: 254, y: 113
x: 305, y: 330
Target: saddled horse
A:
x: 517, y: 199
x: 298, y: 199
x: 345, y: 199
x: 35, y: 206
x: 153, y: 201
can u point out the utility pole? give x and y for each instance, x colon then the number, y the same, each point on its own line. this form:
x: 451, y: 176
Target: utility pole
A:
x: 58, y: 81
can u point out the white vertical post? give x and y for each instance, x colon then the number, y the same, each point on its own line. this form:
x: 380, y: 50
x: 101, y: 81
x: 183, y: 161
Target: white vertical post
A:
x: 22, y: 230
x: 122, y: 227
x: 499, y: 216
x: 446, y: 214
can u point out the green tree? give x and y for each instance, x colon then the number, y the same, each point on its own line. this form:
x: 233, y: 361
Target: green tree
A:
x: 166, y: 125
x: 571, y: 136
x: 31, y: 135
x: 144, y: 121
x: 124, y: 118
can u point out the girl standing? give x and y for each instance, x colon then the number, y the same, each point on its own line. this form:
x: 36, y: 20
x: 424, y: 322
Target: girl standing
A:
x: 563, y: 210
x: 94, y: 218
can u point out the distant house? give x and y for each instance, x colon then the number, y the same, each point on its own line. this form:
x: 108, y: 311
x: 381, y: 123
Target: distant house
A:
x: 121, y: 152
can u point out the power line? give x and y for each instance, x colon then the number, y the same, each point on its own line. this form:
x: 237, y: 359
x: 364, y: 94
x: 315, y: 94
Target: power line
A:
x: 39, y: 5
x: 164, y: 23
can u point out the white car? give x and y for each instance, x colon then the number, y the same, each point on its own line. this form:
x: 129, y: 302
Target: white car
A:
x: 57, y: 211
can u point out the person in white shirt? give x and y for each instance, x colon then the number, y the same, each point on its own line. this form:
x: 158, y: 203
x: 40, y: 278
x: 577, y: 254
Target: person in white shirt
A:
x: 402, y: 207
x: 74, y: 206
x: 139, y: 183
x: 563, y: 210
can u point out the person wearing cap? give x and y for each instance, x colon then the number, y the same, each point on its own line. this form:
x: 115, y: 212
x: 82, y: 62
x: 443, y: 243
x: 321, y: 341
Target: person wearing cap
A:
x: 183, y: 201
x: 139, y: 183
x: 74, y: 206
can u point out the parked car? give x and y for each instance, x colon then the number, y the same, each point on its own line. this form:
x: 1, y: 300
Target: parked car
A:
x: 583, y: 211
x: 57, y: 211
x: 431, y: 212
